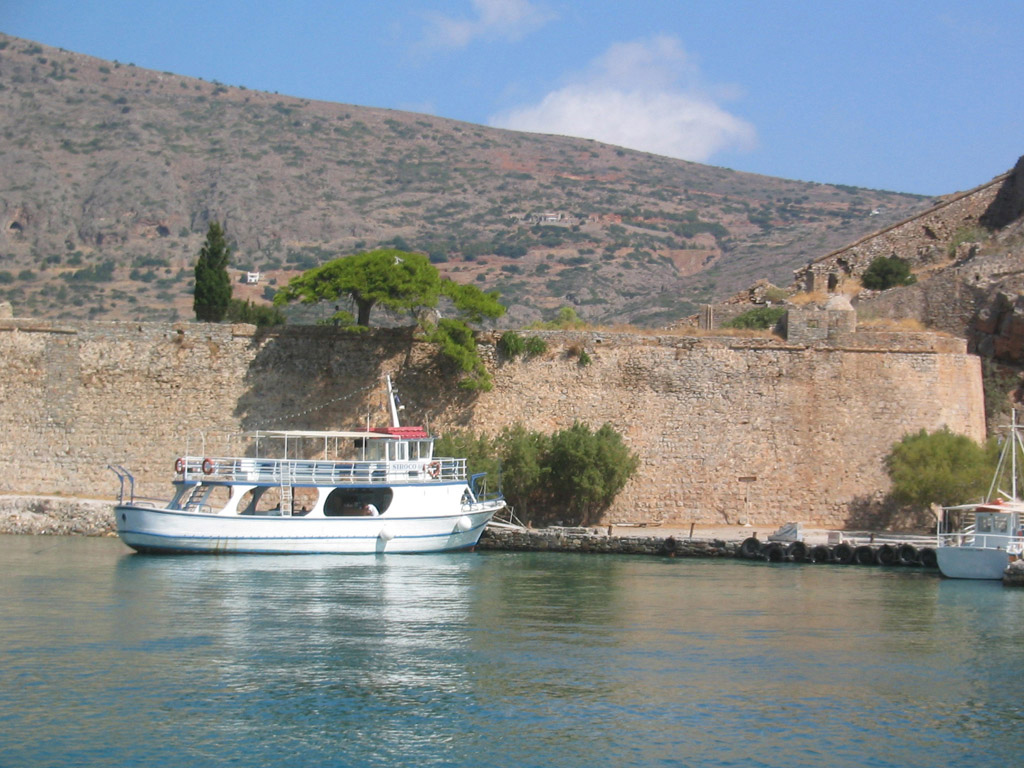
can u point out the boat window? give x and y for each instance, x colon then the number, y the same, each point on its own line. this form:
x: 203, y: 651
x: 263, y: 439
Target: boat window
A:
x: 984, y: 523
x: 209, y: 498
x: 999, y: 524
x: 375, y: 450
x: 264, y: 500
x: 353, y: 502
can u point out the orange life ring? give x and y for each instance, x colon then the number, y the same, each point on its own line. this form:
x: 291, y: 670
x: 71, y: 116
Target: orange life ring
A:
x: 434, y: 469
x: 207, y: 466
x: 179, y: 466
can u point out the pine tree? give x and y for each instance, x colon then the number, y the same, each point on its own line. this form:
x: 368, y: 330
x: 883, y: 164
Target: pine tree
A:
x: 213, y: 284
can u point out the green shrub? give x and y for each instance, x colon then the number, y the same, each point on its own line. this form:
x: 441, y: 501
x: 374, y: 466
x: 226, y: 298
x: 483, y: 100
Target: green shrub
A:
x: 571, y: 476
x: 761, y: 318
x: 939, y: 468
x: 536, y: 346
x: 887, y: 272
x: 342, y: 319
x: 965, y: 235
x: 95, y: 273
x: 458, y: 346
x: 240, y: 311
x: 511, y: 344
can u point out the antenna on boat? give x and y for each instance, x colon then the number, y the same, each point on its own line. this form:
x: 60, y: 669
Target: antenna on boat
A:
x: 1015, y: 437
x: 393, y: 403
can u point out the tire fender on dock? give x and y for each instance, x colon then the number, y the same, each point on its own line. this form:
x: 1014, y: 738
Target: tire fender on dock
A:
x: 797, y: 552
x: 909, y: 555
x: 750, y: 549
x: 864, y: 555
x: 887, y: 554
x: 820, y: 553
x: 843, y: 553
x: 927, y: 557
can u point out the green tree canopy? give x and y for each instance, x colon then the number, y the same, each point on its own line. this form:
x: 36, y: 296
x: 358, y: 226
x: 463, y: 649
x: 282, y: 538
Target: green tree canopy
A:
x: 472, y: 303
x: 212, y: 293
x: 398, y: 280
x: 940, y: 468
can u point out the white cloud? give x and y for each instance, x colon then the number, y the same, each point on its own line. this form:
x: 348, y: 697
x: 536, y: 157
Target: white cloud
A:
x: 643, y: 95
x: 508, y: 19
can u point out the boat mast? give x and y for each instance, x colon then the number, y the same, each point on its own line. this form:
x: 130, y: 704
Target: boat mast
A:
x: 393, y: 403
x: 1013, y: 458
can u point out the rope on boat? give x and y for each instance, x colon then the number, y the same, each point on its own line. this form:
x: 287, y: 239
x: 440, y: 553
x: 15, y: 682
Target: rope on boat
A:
x: 278, y: 420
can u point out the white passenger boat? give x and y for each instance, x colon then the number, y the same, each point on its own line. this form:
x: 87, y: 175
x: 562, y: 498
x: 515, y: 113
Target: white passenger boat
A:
x: 381, y: 490
x: 978, y: 541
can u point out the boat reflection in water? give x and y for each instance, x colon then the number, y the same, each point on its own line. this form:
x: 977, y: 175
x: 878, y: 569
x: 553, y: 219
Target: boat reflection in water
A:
x: 496, y: 659
x: 312, y: 634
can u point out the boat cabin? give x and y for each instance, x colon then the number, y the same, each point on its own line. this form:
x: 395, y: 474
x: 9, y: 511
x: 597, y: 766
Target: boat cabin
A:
x: 994, y: 527
x: 299, y: 473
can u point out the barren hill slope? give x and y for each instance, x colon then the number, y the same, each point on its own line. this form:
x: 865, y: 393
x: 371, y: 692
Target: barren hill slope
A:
x: 109, y: 175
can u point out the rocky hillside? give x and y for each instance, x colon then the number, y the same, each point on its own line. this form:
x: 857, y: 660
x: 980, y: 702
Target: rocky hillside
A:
x: 967, y: 255
x: 967, y: 258
x: 110, y: 174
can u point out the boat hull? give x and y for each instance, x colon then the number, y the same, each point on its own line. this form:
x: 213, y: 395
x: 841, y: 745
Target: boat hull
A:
x: 966, y: 562
x: 147, y: 529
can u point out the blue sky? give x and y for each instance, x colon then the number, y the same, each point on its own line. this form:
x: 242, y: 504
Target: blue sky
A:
x: 911, y: 96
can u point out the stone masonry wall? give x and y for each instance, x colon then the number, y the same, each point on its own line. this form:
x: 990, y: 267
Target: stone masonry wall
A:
x: 921, y: 240
x: 727, y: 429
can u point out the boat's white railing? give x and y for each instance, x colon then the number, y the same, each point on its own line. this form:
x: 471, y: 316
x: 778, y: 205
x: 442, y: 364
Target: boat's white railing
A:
x: 312, y: 472
x: 972, y: 538
x: 123, y: 477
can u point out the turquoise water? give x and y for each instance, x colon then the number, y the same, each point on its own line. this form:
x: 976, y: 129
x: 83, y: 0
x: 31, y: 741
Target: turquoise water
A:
x: 497, y: 659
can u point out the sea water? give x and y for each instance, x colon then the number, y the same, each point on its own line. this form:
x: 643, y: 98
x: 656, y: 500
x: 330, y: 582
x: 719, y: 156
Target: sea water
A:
x: 497, y: 659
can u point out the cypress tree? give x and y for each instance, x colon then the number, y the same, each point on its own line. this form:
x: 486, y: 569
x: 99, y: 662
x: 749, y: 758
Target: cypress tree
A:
x: 212, y: 295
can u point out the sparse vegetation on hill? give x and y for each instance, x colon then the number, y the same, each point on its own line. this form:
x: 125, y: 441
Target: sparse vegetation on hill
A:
x: 110, y: 175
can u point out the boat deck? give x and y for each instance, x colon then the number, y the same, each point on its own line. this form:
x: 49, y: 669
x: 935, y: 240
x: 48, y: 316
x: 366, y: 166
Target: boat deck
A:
x: 299, y: 472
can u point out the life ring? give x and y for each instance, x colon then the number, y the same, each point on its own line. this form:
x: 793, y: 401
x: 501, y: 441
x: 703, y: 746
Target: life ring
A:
x: 207, y: 466
x: 179, y: 466
x: 434, y: 469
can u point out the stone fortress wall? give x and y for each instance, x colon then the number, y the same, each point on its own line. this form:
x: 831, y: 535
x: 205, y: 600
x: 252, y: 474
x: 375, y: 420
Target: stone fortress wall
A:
x: 922, y: 240
x: 729, y: 430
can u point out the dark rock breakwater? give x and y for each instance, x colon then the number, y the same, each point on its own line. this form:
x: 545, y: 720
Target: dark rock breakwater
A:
x: 595, y: 540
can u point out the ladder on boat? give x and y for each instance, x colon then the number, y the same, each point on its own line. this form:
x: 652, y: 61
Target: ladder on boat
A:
x: 194, y: 501
x: 286, y: 499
